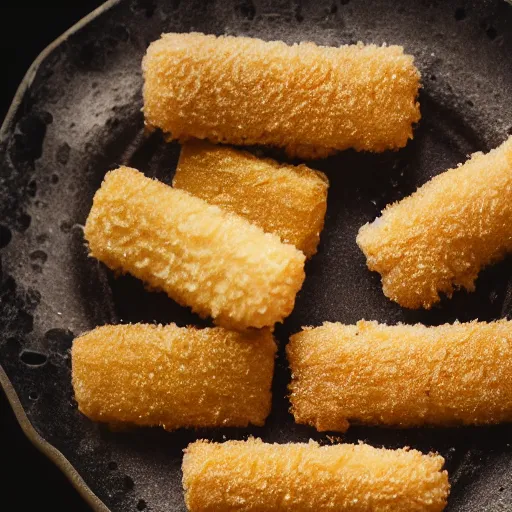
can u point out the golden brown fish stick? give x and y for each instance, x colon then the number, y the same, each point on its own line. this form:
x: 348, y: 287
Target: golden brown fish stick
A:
x: 287, y: 200
x: 401, y: 375
x: 253, y: 476
x: 213, y: 261
x: 174, y: 377
x: 311, y: 100
x: 438, y: 239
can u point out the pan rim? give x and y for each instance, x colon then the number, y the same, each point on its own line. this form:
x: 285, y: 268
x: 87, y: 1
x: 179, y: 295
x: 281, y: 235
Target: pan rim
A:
x: 46, y: 448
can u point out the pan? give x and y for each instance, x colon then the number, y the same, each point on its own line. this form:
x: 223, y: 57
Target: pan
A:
x: 78, y: 114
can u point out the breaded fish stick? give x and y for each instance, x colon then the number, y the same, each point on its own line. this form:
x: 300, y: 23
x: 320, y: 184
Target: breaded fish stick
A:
x: 173, y: 377
x: 253, y: 476
x: 311, y: 100
x: 213, y: 261
x: 289, y: 201
x: 438, y: 239
x: 401, y: 375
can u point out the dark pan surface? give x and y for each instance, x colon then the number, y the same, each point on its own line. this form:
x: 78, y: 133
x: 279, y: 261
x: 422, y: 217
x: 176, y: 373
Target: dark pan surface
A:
x: 81, y: 117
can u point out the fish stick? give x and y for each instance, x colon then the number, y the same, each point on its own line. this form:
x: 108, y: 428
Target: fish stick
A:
x: 253, y: 476
x: 438, y: 239
x: 213, y: 261
x: 287, y: 200
x: 311, y: 100
x: 154, y: 375
x: 401, y: 375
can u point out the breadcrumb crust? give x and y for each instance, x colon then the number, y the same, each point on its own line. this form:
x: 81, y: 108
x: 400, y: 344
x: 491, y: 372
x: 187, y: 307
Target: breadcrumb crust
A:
x: 252, y: 476
x: 312, y: 100
x: 173, y: 377
x: 401, y: 375
x: 438, y: 239
x: 289, y: 201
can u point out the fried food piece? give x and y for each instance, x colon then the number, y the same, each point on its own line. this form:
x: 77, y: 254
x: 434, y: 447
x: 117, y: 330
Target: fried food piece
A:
x: 252, y: 476
x: 174, y: 377
x: 312, y: 100
x: 213, y: 261
x: 289, y: 201
x: 438, y: 239
x: 401, y: 375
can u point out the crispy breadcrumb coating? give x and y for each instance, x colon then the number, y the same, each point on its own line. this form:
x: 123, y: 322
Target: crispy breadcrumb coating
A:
x: 401, y: 375
x: 437, y: 240
x: 289, y: 201
x: 174, y: 377
x: 213, y: 261
x: 311, y: 100
x: 252, y: 476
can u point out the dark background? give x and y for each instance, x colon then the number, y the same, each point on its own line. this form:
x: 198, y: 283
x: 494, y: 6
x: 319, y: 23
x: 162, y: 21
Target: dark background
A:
x: 28, y: 480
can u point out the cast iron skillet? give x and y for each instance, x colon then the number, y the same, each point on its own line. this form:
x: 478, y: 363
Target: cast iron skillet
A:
x: 77, y: 115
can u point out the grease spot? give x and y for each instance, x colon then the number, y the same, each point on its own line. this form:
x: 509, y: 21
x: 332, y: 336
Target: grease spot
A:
x: 112, y: 465
x: 42, y: 238
x: 33, y: 358
x: 38, y: 256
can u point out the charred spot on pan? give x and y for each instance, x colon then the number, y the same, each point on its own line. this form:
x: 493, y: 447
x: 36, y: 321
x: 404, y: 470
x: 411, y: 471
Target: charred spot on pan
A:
x: 92, y: 56
x: 128, y: 482
x: 5, y: 236
x: 247, y: 9
x: 29, y: 136
x: 59, y: 340
x: 460, y: 14
x: 148, y: 6
x: 141, y: 505
x: 492, y: 33
x: 112, y: 465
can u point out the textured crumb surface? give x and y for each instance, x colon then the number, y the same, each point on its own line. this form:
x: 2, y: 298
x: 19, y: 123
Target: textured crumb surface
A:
x: 173, y: 376
x: 213, y: 261
x: 437, y: 240
x: 259, y: 477
x: 309, y: 99
x: 401, y: 375
x: 289, y: 201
